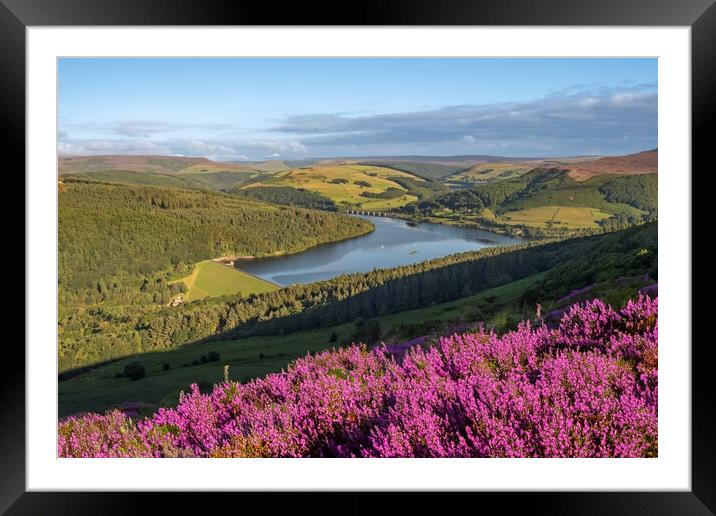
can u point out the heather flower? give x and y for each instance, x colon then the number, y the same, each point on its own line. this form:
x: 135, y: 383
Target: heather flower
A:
x: 587, y: 388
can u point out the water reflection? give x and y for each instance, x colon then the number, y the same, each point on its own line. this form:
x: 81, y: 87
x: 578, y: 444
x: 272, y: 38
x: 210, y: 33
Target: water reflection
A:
x: 393, y: 243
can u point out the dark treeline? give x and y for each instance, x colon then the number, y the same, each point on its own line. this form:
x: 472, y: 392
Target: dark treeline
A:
x: 287, y: 196
x: 490, y: 195
x: 390, y: 193
x: 421, y: 169
x: 421, y: 189
x: 123, y: 244
x: 104, y: 333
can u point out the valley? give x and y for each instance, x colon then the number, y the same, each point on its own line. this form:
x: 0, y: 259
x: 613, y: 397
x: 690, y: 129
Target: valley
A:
x: 355, y: 257
x: 462, y: 242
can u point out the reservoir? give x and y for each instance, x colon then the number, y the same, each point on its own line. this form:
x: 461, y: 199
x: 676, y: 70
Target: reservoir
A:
x: 393, y: 243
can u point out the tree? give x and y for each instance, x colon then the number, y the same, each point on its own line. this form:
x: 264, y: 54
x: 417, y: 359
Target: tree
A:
x: 134, y: 371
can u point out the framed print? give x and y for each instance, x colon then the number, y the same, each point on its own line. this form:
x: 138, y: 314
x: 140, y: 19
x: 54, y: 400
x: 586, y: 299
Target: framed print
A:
x: 411, y: 250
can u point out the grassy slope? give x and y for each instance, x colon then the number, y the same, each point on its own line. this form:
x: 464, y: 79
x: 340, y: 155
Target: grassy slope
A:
x: 492, y: 171
x: 212, y: 279
x: 568, y: 192
x: 218, y: 180
x: 499, y: 171
x: 318, y: 180
x: 560, y: 203
x: 98, y: 390
x: 564, y: 216
x: 147, y: 164
x: 132, y: 177
x: 420, y: 169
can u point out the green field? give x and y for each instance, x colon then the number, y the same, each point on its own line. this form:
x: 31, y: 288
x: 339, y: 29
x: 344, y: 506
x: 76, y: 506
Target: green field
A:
x: 212, y: 279
x: 323, y: 180
x: 564, y: 216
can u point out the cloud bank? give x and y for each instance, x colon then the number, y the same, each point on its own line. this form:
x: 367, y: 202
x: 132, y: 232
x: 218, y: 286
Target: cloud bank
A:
x: 572, y: 122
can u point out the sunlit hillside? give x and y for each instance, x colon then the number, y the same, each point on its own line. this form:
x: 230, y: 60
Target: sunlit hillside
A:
x: 358, y: 186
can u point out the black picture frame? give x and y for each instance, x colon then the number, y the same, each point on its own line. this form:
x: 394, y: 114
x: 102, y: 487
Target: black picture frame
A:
x: 700, y: 15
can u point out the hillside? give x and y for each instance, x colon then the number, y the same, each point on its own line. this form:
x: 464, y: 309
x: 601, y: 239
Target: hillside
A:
x: 426, y: 170
x: 492, y: 171
x: 124, y: 243
x: 150, y: 164
x: 287, y: 196
x: 646, y: 162
x: 576, y: 263
x: 497, y: 308
x: 349, y: 186
x: 589, y: 388
x: 547, y: 202
x: 182, y: 172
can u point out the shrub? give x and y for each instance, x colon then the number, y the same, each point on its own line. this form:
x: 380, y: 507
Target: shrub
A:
x: 214, y: 356
x: 134, y: 371
x: 166, y: 367
x: 587, y: 388
x: 204, y: 359
x: 333, y: 337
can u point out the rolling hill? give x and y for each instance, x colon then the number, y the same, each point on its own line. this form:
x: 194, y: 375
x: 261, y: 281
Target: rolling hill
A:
x: 613, y: 267
x: 117, y: 241
x: 149, y: 164
x: 606, y: 194
x: 492, y: 171
x: 350, y: 186
x: 176, y: 171
x: 646, y: 162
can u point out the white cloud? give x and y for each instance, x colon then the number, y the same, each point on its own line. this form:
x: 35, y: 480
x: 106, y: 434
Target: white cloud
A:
x: 220, y: 150
x: 575, y: 121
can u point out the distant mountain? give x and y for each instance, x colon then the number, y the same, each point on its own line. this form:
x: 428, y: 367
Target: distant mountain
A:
x: 463, y: 158
x: 646, y: 162
x: 172, y: 171
x: 149, y: 164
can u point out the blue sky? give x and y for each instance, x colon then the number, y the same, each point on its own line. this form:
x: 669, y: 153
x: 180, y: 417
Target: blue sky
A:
x: 237, y: 108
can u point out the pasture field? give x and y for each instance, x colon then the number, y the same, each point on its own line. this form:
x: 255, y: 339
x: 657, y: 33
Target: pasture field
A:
x: 212, y: 279
x: 339, y: 183
x: 564, y: 216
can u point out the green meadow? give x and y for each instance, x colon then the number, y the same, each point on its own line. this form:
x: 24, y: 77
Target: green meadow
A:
x: 213, y: 279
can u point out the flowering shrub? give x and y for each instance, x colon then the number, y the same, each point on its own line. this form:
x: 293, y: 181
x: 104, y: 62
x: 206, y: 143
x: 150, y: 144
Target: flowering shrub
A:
x: 587, y: 388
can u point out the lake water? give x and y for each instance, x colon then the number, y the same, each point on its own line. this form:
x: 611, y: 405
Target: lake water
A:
x: 393, y: 243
